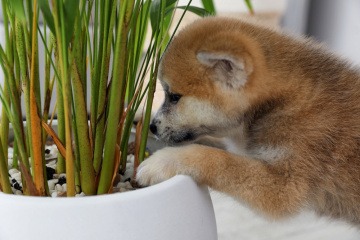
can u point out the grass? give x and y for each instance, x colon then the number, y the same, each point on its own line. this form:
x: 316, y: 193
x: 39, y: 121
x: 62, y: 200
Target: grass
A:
x: 93, y: 43
x: 96, y: 43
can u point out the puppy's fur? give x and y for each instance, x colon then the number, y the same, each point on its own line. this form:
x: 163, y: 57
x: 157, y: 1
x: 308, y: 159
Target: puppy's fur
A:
x: 289, y: 112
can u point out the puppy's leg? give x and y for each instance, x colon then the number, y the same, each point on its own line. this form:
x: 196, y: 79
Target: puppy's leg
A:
x: 211, y: 142
x: 271, y: 189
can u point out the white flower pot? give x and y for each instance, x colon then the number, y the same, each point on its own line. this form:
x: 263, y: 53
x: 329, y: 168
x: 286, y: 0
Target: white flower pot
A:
x: 177, y: 209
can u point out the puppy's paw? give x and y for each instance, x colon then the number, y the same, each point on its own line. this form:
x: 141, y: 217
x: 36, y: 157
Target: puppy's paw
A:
x: 163, y: 165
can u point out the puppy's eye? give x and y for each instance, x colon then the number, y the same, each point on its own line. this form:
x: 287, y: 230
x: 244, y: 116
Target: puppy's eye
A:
x: 174, y: 98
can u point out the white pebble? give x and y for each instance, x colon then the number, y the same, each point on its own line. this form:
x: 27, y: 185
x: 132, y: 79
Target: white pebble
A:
x: 129, y: 166
x: 121, y: 185
x: 58, y: 188
x: 56, y: 175
x: 62, y: 175
x: 51, y: 164
x: 13, y: 171
x: 52, y: 183
x: 53, y: 149
x: 10, y: 163
x: 54, y: 194
x: 128, y: 185
x: 10, y: 154
x: 53, y: 152
x: 82, y: 194
x: 17, y: 176
x: 64, y: 187
x: 130, y: 158
x: 18, y: 192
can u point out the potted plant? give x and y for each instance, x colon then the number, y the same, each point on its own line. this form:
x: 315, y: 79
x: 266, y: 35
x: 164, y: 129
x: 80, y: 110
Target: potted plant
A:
x: 98, y: 44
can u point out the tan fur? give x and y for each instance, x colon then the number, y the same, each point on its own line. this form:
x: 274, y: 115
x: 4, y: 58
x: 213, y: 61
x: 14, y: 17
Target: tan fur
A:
x: 288, y: 109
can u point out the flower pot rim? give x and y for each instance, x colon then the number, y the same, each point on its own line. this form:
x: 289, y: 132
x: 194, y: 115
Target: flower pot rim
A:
x: 155, y: 189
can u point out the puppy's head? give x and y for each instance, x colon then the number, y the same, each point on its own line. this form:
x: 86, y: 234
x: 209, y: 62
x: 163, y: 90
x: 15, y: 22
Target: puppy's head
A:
x: 207, y: 73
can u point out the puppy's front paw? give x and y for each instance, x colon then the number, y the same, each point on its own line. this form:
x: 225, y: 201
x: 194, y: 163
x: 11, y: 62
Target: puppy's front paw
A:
x: 163, y: 165
x: 157, y: 168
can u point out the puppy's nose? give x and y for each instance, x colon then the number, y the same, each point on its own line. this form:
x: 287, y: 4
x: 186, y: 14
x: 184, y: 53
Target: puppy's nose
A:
x: 153, y: 128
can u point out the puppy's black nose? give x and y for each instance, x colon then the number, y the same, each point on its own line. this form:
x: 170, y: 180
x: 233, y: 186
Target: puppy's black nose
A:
x: 153, y: 128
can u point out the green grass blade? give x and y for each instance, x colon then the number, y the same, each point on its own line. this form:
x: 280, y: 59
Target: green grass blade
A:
x: 48, y: 52
x: 198, y: 11
x: 37, y: 144
x: 159, y: 36
x: 102, y: 87
x: 61, y: 165
x: 14, y: 116
x: 59, y: 21
x: 71, y: 11
x: 47, y: 14
x: 4, y: 121
x: 209, y: 6
x: 116, y: 97
x: 80, y: 117
x: 4, y: 177
x: 19, y: 10
x: 249, y: 6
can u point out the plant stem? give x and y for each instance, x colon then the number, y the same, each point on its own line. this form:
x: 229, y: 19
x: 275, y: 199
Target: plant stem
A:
x: 20, y: 29
x: 14, y: 115
x: 160, y: 34
x: 35, y: 126
x: 66, y: 94
x: 116, y: 97
x: 102, y: 90
x: 61, y: 164
x: 80, y: 114
x: 4, y: 178
x: 4, y: 120
x: 48, y: 82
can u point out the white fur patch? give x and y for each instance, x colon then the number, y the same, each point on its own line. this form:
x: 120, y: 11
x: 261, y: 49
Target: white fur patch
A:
x: 201, y: 112
x: 268, y: 153
x: 237, y: 144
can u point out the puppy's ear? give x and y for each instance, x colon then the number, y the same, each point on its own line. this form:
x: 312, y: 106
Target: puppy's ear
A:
x: 228, y: 69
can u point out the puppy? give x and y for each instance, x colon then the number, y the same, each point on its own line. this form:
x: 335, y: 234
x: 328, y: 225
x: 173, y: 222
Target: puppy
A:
x: 287, y: 109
